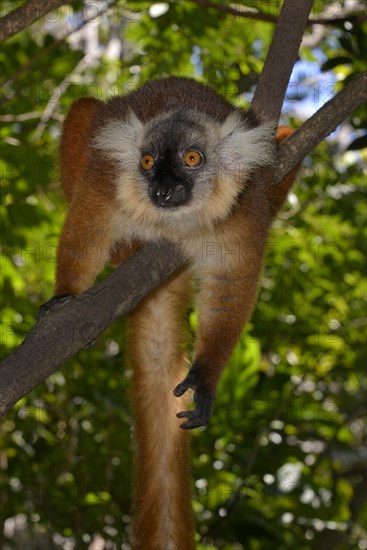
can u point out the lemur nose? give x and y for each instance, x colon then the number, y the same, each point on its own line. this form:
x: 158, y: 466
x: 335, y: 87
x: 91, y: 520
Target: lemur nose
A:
x: 169, y: 196
x: 163, y: 194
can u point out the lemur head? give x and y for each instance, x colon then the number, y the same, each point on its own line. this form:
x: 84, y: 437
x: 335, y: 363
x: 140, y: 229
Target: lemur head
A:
x: 184, y: 169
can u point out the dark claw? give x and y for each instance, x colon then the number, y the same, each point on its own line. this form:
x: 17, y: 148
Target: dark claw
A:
x: 203, y: 398
x: 55, y: 303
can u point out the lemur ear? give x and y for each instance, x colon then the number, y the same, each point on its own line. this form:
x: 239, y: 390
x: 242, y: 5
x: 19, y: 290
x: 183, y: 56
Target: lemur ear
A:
x: 282, y: 132
x: 278, y: 192
x: 245, y: 147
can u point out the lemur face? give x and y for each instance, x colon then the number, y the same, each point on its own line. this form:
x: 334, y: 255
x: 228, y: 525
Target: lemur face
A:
x: 183, y: 169
x: 174, y: 161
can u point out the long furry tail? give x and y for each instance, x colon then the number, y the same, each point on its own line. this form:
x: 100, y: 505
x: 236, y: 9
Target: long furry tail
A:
x: 162, y: 516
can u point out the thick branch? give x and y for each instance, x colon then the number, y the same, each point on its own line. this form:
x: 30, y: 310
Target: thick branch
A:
x: 25, y: 15
x: 59, y: 335
x: 63, y: 332
x: 321, y: 124
x: 269, y: 94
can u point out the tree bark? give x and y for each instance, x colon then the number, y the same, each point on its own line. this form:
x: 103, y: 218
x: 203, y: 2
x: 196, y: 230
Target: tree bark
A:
x: 64, y: 331
x: 25, y: 15
x: 269, y: 94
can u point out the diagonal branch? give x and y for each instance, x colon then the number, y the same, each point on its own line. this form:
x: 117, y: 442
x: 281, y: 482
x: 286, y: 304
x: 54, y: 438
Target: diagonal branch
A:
x: 269, y: 94
x: 354, y: 13
x: 25, y: 15
x: 61, y: 334
x: 57, y: 42
x: 52, y: 104
x: 321, y: 124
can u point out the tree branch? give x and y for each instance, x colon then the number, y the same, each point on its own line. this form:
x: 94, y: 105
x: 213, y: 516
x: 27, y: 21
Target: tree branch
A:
x: 25, y: 15
x: 346, y: 14
x: 61, y: 334
x: 26, y: 116
x: 48, y: 49
x: 64, y: 331
x: 236, y: 11
x: 52, y: 104
x: 269, y: 94
x: 293, y: 150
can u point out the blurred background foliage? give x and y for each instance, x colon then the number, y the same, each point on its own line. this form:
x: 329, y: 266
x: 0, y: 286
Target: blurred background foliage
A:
x: 283, y: 462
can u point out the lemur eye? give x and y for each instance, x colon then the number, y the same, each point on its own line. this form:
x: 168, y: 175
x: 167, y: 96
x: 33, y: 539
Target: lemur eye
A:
x: 193, y: 158
x: 147, y: 162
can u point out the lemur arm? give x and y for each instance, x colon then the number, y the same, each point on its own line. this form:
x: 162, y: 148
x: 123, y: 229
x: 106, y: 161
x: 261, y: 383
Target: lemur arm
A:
x: 227, y: 298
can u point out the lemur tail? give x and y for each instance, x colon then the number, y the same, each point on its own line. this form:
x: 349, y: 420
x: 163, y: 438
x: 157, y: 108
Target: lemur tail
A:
x: 162, y: 516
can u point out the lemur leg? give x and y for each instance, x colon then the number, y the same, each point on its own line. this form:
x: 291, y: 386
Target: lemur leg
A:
x: 162, y: 516
x: 86, y: 245
x: 84, y: 249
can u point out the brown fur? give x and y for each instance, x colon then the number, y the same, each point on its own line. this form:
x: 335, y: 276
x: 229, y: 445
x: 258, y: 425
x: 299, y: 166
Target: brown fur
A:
x: 87, y: 242
x: 159, y: 96
x: 162, y: 519
x: 225, y: 254
x: 73, y: 147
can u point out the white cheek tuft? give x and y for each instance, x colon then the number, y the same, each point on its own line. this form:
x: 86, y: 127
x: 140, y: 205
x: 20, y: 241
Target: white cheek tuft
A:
x: 243, y: 148
x: 120, y: 140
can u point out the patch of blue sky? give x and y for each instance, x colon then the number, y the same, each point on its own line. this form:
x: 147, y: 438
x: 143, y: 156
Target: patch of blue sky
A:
x: 309, y: 88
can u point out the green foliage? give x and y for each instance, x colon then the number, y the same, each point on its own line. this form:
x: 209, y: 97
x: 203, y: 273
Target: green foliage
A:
x: 283, y: 460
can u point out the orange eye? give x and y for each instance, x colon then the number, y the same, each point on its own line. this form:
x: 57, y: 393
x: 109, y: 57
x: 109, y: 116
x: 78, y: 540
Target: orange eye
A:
x: 147, y: 162
x: 193, y: 158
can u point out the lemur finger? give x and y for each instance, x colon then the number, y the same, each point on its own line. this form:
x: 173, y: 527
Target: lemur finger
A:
x: 187, y: 414
x: 181, y: 388
x: 194, y: 420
